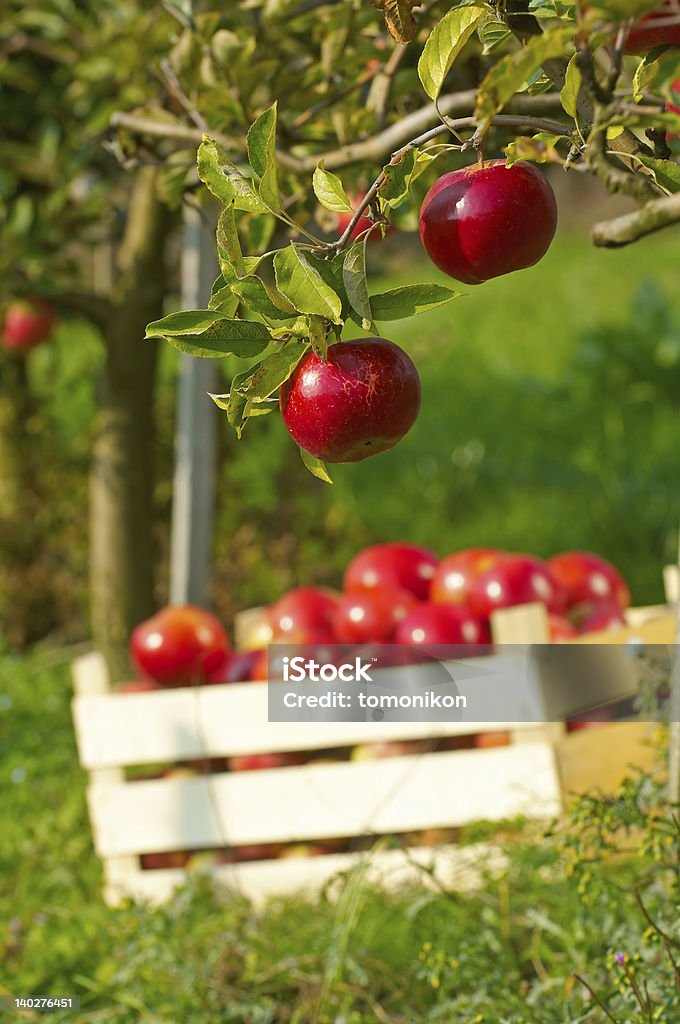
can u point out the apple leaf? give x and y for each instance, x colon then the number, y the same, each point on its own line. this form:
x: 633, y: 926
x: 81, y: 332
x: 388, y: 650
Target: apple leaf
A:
x: 399, y: 18
x: 273, y: 371
x: 515, y: 69
x: 409, y: 300
x: 443, y: 45
x: 225, y: 181
x: 210, y: 334
x: 571, y: 88
x: 318, y: 336
x: 492, y: 34
x: 302, y: 284
x: 666, y: 172
x: 354, y: 277
x: 236, y: 401
x: 222, y: 299
x: 228, y: 244
x: 329, y: 191
x: 395, y: 188
x: 540, y: 149
x: 261, y: 142
x: 263, y: 299
x: 316, y: 467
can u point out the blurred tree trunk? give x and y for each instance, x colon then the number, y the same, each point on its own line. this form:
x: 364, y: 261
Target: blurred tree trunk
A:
x: 121, y: 484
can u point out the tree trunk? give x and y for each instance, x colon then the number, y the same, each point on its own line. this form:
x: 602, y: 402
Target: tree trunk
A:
x: 121, y: 483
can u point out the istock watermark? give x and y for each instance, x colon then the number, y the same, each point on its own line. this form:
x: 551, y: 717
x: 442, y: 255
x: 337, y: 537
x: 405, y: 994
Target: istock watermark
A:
x: 295, y: 670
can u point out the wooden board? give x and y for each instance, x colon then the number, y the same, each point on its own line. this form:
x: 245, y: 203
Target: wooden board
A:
x: 393, y: 795
x: 599, y: 758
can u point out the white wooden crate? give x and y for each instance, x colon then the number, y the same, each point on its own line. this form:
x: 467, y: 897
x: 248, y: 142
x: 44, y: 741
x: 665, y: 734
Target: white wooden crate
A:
x: 311, y: 802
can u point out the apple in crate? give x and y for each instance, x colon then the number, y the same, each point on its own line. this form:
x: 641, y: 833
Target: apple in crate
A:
x: 139, y: 686
x: 179, y: 646
x: 237, y: 668
x: 442, y: 624
x: 257, y: 851
x: 599, y: 616
x: 371, y: 615
x: 514, y: 580
x: 172, y: 859
x: 304, y: 615
x: 584, y: 576
x: 405, y: 566
x: 455, y: 575
x: 560, y: 629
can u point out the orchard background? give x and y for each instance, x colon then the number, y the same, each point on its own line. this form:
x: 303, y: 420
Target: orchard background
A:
x: 548, y: 420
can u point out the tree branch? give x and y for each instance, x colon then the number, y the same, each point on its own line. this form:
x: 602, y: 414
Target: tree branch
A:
x: 653, y: 216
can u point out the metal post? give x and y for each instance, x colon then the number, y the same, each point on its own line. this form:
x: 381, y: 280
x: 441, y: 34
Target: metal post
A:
x: 674, y: 727
x: 196, y: 431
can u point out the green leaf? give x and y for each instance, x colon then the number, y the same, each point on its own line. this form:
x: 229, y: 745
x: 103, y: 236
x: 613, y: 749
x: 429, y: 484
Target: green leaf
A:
x: 666, y: 172
x: 228, y: 244
x: 492, y: 34
x: 208, y: 334
x: 303, y: 285
x: 223, y: 301
x: 315, y: 466
x: 297, y: 328
x: 318, y: 336
x: 354, y: 277
x: 329, y: 191
x: 263, y: 299
x: 514, y: 70
x: 260, y: 232
x: 221, y: 401
x: 540, y: 149
x: 261, y: 141
x: 409, y: 300
x: 274, y: 371
x: 571, y: 88
x: 225, y: 181
x: 443, y: 45
x: 395, y: 188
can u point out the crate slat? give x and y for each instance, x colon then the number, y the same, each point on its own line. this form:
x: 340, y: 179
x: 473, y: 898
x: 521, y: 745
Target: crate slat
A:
x: 398, y: 794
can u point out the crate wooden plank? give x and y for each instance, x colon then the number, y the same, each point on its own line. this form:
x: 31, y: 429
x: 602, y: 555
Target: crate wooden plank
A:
x: 292, y: 804
x: 659, y: 630
x: 216, y: 721
x: 601, y: 757
x: 455, y: 868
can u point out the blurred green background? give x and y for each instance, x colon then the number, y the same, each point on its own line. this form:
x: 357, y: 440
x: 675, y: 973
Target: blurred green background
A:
x: 549, y: 421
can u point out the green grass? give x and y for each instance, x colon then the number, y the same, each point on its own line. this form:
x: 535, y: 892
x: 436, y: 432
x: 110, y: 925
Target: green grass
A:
x: 506, y: 953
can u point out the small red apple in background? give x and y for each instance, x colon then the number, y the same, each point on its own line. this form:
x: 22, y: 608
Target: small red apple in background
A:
x: 659, y: 28
x: 303, y: 615
x: 586, y: 577
x: 561, y: 630
x: 256, y: 762
x: 236, y: 669
x: 442, y: 624
x: 358, y: 403
x: 483, y: 221
x: 456, y: 573
x: 139, y: 686
x: 513, y: 580
x: 371, y: 615
x: 28, y: 322
x: 405, y: 566
x: 362, y: 225
x: 599, y: 616
x: 179, y: 645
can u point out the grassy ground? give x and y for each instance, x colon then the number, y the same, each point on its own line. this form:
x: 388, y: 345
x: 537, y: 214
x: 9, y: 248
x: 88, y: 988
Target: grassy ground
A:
x: 505, y: 955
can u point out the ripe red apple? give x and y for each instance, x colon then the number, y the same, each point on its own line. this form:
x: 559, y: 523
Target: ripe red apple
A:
x: 587, y: 577
x: 28, y: 322
x: 256, y: 762
x: 304, y: 615
x: 659, y: 28
x: 599, y: 616
x: 456, y: 573
x: 371, y: 615
x: 442, y: 624
x: 484, y: 221
x: 138, y: 686
x: 362, y: 225
x: 513, y: 580
x: 359, y: 403
x: 235, y: 669
x: 561, y: 630
x: 404, y: 566
x: 179, y: 645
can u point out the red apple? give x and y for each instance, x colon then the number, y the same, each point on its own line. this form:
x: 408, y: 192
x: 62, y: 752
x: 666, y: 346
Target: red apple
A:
x: 179, y: 645
x: 138, y: 686
x: 660, y: 28
x: 371, y: 615
x: 404, y: 566
x: 560, y: 629
x: 236, y: 669
x: 358, y: 403
x: 483, y: 221
x: 304, y: 615
x: 513, y: 580
x: 28, y: 322
x: 442, y: 624
x: 256, y: 762
x: 456, y: 573
x: 587, y: 577
x: 600, y: 616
